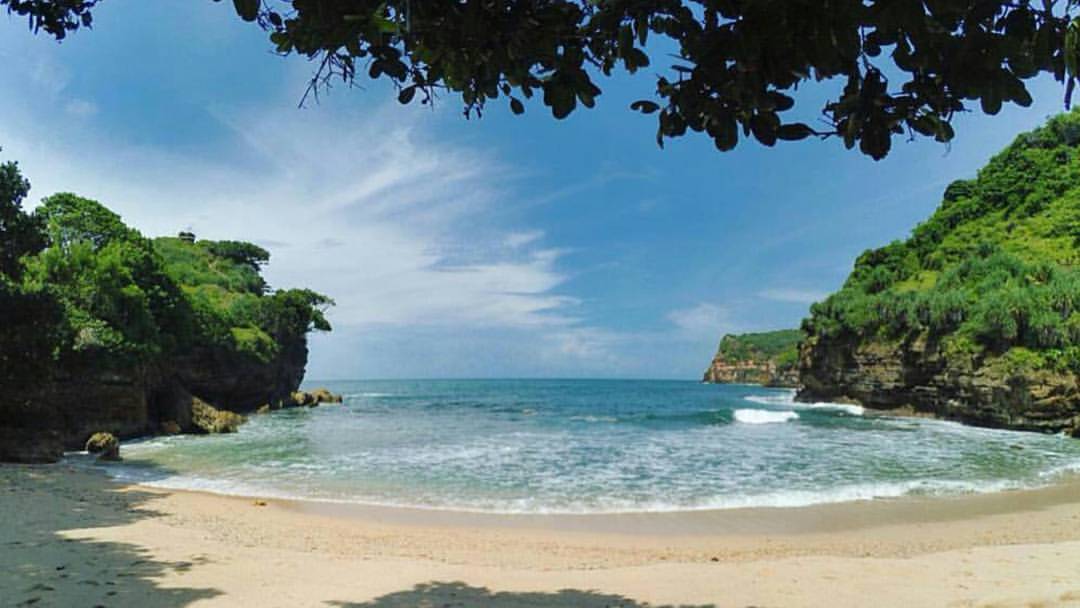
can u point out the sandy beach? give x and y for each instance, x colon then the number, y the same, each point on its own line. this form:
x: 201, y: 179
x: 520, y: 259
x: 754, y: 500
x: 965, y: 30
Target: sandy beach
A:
x: 72, y: 537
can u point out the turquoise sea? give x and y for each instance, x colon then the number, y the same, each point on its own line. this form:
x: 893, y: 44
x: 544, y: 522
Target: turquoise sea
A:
x: 579, y: 446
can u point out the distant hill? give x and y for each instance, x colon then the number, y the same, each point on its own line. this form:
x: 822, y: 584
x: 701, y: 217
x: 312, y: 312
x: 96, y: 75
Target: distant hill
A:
x: 767, y: 358
x: 976, y: 317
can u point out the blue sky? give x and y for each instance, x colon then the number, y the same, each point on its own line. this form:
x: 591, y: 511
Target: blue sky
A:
x: 505, y: 246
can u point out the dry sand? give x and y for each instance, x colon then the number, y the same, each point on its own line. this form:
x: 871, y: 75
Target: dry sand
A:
x: 71, y: 537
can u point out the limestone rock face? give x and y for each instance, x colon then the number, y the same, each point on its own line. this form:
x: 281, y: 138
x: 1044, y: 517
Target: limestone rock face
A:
x: 105, y: 445
x: 765, y: 373
x: 916, y: 377
x: 768, y: 358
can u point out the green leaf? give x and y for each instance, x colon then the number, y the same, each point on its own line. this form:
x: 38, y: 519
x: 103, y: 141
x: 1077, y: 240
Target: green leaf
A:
x: 794, y: 132
x: 644, y: 106
x: 247, y: 9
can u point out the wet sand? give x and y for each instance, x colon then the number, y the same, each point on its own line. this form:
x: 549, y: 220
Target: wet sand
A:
x: 71, y: 537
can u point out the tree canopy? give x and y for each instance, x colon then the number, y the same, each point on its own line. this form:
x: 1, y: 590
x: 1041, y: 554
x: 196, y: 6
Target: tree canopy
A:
x: 907, y: 68
x: 78, y: 286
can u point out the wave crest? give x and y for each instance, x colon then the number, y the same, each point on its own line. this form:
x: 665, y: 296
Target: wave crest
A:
x: 763, y: 416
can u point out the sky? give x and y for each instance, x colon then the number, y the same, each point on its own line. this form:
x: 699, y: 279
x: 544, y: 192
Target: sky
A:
x: 505, y: 246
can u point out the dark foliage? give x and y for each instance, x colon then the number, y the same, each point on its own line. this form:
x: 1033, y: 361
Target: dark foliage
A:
x: 903, y: 69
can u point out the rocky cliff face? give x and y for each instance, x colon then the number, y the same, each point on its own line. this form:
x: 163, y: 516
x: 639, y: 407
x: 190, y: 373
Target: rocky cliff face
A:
x: 40, y: 421
x: 917, y: 377
x: 749, y: 371
x: 767, y: 358
x: 235, y: 382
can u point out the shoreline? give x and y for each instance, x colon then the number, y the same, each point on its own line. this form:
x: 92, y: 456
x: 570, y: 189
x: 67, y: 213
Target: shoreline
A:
x: 749, y: 520
x: 71, y: 533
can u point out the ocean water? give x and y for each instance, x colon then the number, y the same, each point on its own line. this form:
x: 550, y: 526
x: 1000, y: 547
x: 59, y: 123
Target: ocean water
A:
x: 582, y: 446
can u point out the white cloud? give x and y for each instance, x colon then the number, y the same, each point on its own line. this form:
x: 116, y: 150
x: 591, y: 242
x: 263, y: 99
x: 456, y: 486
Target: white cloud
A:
x: 81, y: 108
x: 516, y: 240
x: 793, y: 296
x: 703, y: 319
x: 391, y: 224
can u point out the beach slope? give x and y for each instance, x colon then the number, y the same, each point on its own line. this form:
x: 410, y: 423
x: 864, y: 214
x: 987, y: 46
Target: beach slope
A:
x: 71, y: 537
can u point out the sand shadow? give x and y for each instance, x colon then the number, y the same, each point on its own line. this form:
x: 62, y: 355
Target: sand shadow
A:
x: 47, y: 563
x: 461, y: 595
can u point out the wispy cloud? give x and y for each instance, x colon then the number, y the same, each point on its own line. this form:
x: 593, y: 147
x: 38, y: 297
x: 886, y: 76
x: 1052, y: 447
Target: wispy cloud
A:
x: 792, y: 296
x: 703, y: 319
x: 515, y: 240
x: 81, y: 108
x: 395, y: 225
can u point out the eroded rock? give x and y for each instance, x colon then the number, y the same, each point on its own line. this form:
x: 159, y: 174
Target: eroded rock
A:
x: 105, y: 445
x: 209, y: 419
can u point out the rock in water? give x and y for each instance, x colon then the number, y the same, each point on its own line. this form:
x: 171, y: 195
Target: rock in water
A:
x: 105, y: 445
x: 322, y: 395
x: 313, y: 398
x: 208, y: 419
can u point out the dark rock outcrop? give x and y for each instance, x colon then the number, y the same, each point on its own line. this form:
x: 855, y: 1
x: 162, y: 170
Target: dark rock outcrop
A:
x: 918, y: 378
x: 30, y: 446
x: 233, y: 381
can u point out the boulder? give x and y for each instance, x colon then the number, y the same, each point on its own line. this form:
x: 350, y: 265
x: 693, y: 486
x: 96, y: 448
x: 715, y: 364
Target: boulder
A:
x: 105, y: 445
x: 171, y: 427
x: 208, y: 419
x: 30, y: 446
x: 303, y: 399
x: 263, y: 409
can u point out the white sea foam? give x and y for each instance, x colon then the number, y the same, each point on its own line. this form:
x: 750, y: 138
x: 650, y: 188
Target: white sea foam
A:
x: 763, y: 416
x: 594, y: 418
x: 525, y: 506
x: 787, y: 399
x: 461, y: 457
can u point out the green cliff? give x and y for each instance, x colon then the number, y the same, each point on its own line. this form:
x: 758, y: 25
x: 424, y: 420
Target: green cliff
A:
x: 106, y: 330
x: 767, y: 358
x: 976, y: 316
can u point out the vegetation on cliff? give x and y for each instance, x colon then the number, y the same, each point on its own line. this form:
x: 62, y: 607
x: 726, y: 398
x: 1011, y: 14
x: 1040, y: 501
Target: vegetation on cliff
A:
x: 123, y: 298
x: 769, y: 358
x: 992, y: 272
x: 85, y: 297
x: 990, y: 282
